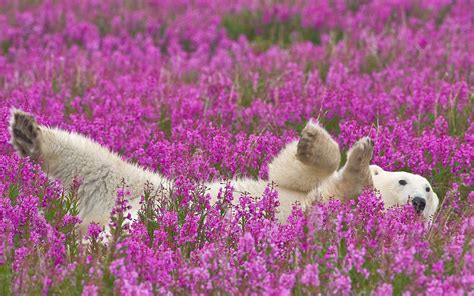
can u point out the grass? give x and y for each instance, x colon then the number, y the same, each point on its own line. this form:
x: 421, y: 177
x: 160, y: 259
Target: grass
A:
x: 263, y: 35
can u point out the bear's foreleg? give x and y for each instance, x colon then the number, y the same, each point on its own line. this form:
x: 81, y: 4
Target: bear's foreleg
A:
x: 349, y: 182
x: 303, y: 165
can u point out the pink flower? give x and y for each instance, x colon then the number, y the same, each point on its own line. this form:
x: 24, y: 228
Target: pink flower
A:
x: 94, y: 230
x: 310, y: 275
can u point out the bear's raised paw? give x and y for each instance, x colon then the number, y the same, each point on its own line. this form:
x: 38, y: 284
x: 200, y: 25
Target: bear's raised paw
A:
x: 316, y: 148
x: 25, y: 133
x: 361, y: 153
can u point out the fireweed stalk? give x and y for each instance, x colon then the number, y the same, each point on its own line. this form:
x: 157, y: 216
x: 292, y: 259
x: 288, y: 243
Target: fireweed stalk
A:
x: 214, y: 90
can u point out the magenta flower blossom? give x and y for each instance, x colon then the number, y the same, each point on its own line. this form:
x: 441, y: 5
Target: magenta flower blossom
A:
x: 94, y: 230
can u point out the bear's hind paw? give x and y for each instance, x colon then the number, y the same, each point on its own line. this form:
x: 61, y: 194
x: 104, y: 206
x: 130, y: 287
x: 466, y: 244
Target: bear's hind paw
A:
x: 25, y: 133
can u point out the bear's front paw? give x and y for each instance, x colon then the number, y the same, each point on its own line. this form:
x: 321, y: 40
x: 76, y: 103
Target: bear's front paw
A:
x: 361, y: 153
x: 307, y: 150
x: 316, y: 148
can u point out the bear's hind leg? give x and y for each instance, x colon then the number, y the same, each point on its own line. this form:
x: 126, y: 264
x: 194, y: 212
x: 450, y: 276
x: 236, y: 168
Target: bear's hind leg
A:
x: 26, y: 134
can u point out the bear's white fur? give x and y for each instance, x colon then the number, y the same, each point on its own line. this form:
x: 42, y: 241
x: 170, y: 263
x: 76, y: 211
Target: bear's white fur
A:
x: 393, y: 193
x: 304, y: 171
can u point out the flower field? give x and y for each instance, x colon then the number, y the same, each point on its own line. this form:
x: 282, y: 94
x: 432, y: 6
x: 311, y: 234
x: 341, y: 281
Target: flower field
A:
x: 205, y: 90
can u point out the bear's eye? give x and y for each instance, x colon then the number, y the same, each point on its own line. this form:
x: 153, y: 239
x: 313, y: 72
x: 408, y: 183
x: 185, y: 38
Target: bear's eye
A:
x: 402, y: 182
x: 428, y: 189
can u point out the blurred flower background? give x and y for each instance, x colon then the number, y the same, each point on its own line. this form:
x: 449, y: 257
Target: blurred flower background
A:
x: 204, y: 90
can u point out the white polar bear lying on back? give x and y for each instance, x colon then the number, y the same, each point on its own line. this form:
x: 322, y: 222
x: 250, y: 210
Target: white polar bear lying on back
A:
x: 304, y: 171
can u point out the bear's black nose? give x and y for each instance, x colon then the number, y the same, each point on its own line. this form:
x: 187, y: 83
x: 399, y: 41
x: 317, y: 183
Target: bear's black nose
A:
x: 419, y: 204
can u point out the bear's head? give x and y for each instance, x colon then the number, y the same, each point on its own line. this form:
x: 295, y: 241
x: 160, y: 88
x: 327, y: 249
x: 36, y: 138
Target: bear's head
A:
x: 398, y: 188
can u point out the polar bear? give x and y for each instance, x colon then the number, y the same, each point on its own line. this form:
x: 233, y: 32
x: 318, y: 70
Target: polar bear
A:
x: 304, y: 171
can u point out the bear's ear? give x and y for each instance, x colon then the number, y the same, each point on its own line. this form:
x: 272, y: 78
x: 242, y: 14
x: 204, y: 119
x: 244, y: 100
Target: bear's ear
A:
x: 376, y: 170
